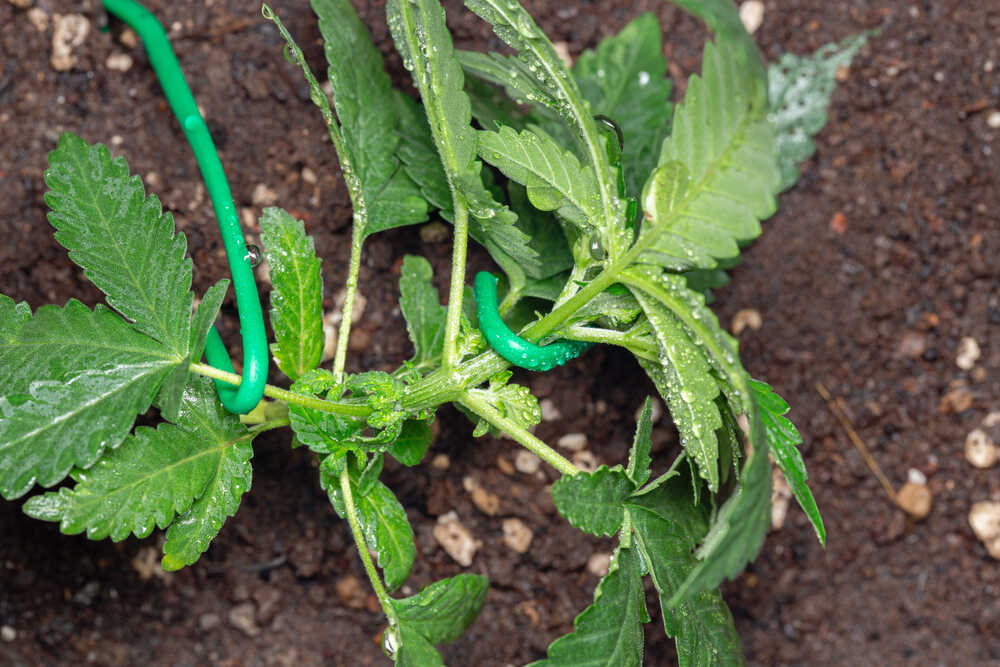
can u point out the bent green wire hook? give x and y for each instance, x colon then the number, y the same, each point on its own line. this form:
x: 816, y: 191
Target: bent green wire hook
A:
x: 255, y: 360
x: 508, y: 344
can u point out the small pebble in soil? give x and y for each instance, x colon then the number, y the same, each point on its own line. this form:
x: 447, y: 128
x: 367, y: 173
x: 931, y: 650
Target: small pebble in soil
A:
x: 434, y: 232
x: 572, y: 442
x: 263, y: 196
x: 485, y: 501
x: 752, y: 15
x: 780, y: 497
x: 208, y: 622
x: 748, y: 318
x: 550, y: 412
x: 517, y: 535
x: 21, y: 4
x: 957, y: 399
x: 441, y: 461
x: 308, y: 176
x: 915, y: 499
x: 993, y: 120
x: 456, y: 539
x: 980, y: 450
x: 527, y: 462
x: 912, y: 344
x: 242, y: 616
x: 119, y: 62
x: 38, y: 18
x: 7, y: 633
x: 330, y: 321
x: 984, y: 519
x: 504, y: 465
x: 655, y: 411
x: 351, y: 592
x: 598, y: 564
x: 585, y: 461
x: 968, y: 353
x: 70, y: 31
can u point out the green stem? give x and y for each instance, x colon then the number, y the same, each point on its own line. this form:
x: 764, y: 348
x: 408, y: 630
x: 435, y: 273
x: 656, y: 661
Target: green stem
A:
x: 454, y: 318
x: 359, y: 540
x: 639, y: 348
x: 270, y: 425
x: 350, y: 289
x: 481, y: 408
x: 347, y: 409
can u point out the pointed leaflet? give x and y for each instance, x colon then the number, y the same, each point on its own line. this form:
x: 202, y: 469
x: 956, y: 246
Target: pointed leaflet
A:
x: 296, y: 295
x: 153, y: 475
x: 625, y: 79
x: 799, y: 89
x: 666, y: 528
x: 229, y: 477
x: 442, y: 611
x: 421, y: 308
x: 74, y: 382
x: 727, y: 150
x: 383, y: 521
x: 638, y: 457
x: 783, y: 438
x: 594, y: 502
x: 121, y: 238
x: 737, y: 531
x: 362, y: 97
x: 608, y: 633
x: 539, y: 164
x: 683, y: 377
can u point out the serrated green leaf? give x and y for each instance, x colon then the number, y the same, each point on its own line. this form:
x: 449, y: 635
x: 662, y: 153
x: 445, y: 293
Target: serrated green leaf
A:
x: 540, y: 164
x: 12, y: 318
x: 684, y: 379
x: 667, y: 526
x: 736, y: 532
x: 154, y: 475
x: 413, y: 442
x: 415, y: 651
x: 491, y: 108
x: 424, y: 314
x: 728, y: 153
x: 783, y: 439
x: 442, y: 611
x: 508, y: 72
x: 296, y: 295
x: 799, y: 90
x: 608, y: 633
x: 383, y: 521
x: 513, y: 401
x: 74, y: 381
x: 122, y: 239
x: 625, y: 79
x: 638, y: 457
x: 418, y: 154
x: 594, y: 502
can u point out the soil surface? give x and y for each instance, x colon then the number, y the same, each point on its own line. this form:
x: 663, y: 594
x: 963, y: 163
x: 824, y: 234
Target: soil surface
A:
x: 879, y: 263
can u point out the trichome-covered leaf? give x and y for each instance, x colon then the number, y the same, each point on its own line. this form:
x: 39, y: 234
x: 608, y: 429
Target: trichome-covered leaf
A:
x: 783, y: 439
x: 514, y: 401
x: 594, y: 502
x: 442, y: 611
x: 422, y: 310
x: 296, y: 295
x: 638, y: 457
x: 413, y: 442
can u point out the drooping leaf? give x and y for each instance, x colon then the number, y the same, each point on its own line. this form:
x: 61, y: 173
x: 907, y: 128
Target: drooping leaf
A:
x: 737, y: 531
x: 625, y: 79
x: 153, y: 476
x: 783, y: 439
x: 296, y: 295
x: 727, y: 150
x: 442, y: 611
x: 73, y: 383
x: 638, y: 457
x: 362, y: 97
x: 542, y: 166
x: 608, y: 633
x: 424, y: 314
x: 121, y: 238
x: 799, y: 90
x: 667, y: 526
x: 594, y: 502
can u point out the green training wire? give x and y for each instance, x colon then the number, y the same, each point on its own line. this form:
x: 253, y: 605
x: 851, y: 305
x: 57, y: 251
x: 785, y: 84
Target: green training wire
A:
x: 255, y: 356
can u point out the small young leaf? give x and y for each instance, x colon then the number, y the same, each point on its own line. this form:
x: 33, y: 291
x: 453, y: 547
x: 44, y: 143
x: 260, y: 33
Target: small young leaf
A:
x: 122, y: 239
x: 153, y: 475
x: 799, y: 89
x: 594, y: 502
x: 413, y: 441
x: 736, y: 532
x: 442, y: 611
x: 638, y: 457
x: 422, y: 310
x: 608, y: 633
x: 74, y: 381
x: 297, y: 294
x: 667, y: 527
x: 513, y: 401
x: 625, y: 79
x: 322, y: 432
x: 783, y: 439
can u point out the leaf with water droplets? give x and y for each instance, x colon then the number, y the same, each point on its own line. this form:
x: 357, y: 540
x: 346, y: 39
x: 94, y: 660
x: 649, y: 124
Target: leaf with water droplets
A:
x: 424, y: 315
x: 443, y: 610
x: 514, y: 401
x: 594, y: 502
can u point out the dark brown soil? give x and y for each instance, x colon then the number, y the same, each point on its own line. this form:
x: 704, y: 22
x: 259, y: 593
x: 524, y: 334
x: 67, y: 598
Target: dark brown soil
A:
x: 891, y: 236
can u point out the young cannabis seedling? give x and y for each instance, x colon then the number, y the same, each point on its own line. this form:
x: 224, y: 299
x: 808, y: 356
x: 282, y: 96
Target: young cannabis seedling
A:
x: 611, y: 214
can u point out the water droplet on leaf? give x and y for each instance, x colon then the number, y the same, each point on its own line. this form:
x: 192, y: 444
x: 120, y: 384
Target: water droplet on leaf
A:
x: 253, y: 255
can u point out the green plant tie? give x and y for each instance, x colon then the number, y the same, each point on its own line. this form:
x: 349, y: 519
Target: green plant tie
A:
x: 241, y: 258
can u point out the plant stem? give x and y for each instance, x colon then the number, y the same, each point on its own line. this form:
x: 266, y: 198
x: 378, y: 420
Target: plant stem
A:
x: 270, y: 425
x: 347, y: 409
x: 455, y: 293
x: 350, y: 289
x: 640, y: 348
x: 483, y: 409
x: 359, y: 540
